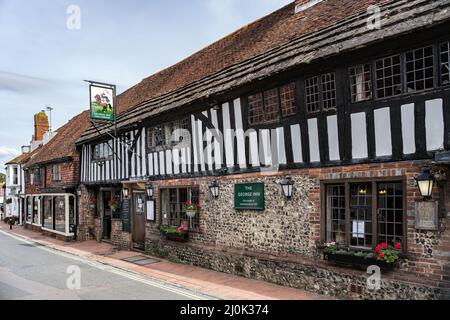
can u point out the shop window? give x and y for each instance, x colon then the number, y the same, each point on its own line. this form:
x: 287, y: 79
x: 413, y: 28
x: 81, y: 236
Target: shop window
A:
x: 36, y: 210
x: 320, y: 93
x: 445, y: 63
x: 172, y: 207
x: 56, y: 172
x: 28, y: 218
x: 388, y: 77
x: 357, y: 206
x: 59, y: 209
x: 269, y: 106
x: 48, y: 213
x: 419, y: 66
x: 361, y: 83
x: 102, y: 151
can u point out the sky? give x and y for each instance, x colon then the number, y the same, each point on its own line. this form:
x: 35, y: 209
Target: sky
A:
x: 44, y: 62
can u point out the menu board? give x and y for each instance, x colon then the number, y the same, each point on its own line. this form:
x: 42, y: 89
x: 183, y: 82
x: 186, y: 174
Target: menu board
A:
x: 126, y: 215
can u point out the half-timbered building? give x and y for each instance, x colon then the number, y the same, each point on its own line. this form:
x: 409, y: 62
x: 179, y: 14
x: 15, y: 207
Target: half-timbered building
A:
x: 350, y: 99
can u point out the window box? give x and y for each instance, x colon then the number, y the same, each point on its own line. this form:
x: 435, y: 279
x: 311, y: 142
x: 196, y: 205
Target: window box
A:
x: 359, y: 262
x: 175, y: 234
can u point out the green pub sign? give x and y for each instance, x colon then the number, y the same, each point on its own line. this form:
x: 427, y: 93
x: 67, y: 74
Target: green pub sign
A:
x: 249, y: 196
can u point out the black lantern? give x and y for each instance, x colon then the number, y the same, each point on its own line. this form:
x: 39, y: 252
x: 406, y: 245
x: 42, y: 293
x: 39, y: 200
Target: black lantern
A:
x: 125, y: 193
x: 287, y: 185
x: 425, y: 181
x: 149, y: 188
x: 214, y: 187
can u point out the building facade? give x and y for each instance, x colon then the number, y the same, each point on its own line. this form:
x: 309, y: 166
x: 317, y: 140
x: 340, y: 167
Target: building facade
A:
x: 351, y: 113
x: 52, y: 180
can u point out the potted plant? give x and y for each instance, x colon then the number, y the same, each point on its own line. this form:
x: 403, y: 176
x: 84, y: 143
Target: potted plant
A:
x: 383, y: 256
x: 180, y: 234
x: 191, y: 209
x: 114, y: 204
x: 8, y: 201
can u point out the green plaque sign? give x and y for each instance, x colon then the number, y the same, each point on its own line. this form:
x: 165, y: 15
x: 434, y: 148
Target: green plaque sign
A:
x: 249, y: 196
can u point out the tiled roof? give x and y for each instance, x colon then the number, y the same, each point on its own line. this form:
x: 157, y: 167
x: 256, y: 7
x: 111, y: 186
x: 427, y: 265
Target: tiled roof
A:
x: 24, y: 157
x: 271, y: 31
x: 63, y: 144
x: 265, y: 47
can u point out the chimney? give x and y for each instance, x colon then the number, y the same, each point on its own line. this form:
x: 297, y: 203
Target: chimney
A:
x: 41, y: 126
x: 302, y: 5
x: 26, y: 149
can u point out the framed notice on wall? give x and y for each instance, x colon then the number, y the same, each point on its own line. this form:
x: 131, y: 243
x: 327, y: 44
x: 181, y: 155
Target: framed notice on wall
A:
x: 249, y: 196
x: 150, y: 210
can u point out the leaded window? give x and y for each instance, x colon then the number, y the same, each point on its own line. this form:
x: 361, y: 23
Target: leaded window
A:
x: 169, y: 135
x: 361, y: 82
x: 173, y: 202
x: 419, y: 66
x: 269, y: 106
x: 102, y: 151
x: 56, y: 172
x: 312, y: 94
x: 320, y: 93
x: 287, y: 97
x: 364, y: 214
x: 445, y: 63
x: 388, y: 77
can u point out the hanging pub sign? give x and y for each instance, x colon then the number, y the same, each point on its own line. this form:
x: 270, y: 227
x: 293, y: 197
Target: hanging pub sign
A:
x: 249, y: 196
x: 102, y: 101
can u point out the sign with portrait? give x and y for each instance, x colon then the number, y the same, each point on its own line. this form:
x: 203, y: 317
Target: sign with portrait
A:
x: 102, y: 102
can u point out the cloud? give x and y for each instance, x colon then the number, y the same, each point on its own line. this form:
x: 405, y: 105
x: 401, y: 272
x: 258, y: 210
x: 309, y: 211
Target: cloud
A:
x: 8, y: 152
x: 21, y: 83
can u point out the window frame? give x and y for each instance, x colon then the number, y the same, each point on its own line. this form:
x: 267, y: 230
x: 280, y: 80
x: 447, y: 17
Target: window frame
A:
x: 375, y: 232
x: 189, y: 189
x: 56, y: 177
x: 320, y: 92
x: 108, y: 144
x: 281, y: 116
x: 440, y: 63
x: 166, y: 145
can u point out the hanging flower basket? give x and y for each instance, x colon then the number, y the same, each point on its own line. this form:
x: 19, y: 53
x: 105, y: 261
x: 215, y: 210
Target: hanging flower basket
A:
x: 191, y: 209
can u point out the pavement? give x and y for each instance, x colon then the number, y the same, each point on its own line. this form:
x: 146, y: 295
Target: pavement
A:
x: 177, y: 281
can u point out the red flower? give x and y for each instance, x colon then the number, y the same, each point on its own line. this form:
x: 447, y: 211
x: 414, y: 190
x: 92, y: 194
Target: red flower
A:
x: 381, y: 256
x: 398, y: 246
x: 378, y: 249
x: 383, y: 245
x: 187, y: 203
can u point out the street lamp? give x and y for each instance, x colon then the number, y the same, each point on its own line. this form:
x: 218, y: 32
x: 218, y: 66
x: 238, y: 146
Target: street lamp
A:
x: 287, y: 185
x: 425, y: 181
x: 149, y: 188
x: 214, y: 187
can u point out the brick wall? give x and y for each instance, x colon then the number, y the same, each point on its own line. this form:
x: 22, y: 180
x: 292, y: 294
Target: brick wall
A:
x: 87, y: 225
x: 286, y: 234
x: 120, y: 240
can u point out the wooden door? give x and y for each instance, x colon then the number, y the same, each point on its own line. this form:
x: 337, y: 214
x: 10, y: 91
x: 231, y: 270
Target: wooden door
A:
x: 107, y: 215
x: 139, y: 219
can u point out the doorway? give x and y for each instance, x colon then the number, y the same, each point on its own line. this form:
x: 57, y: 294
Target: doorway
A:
x: 139, y: 220
x: 106, y: 215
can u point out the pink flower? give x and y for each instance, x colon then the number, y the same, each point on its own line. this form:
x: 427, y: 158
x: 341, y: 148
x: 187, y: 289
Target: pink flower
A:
x: 378, y: 249
x: 398, y: 246
x: 383, y: 245
x: 381, y: 256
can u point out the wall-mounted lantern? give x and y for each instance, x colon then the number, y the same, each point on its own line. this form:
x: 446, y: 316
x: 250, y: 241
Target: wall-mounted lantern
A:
x: 287, y: 185
x: 214, y: 187
x: 149, y: 188
x: 425, y: 181
x: 125, y: 193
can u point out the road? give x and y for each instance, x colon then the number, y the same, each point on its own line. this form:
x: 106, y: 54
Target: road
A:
x: 32, y: 272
